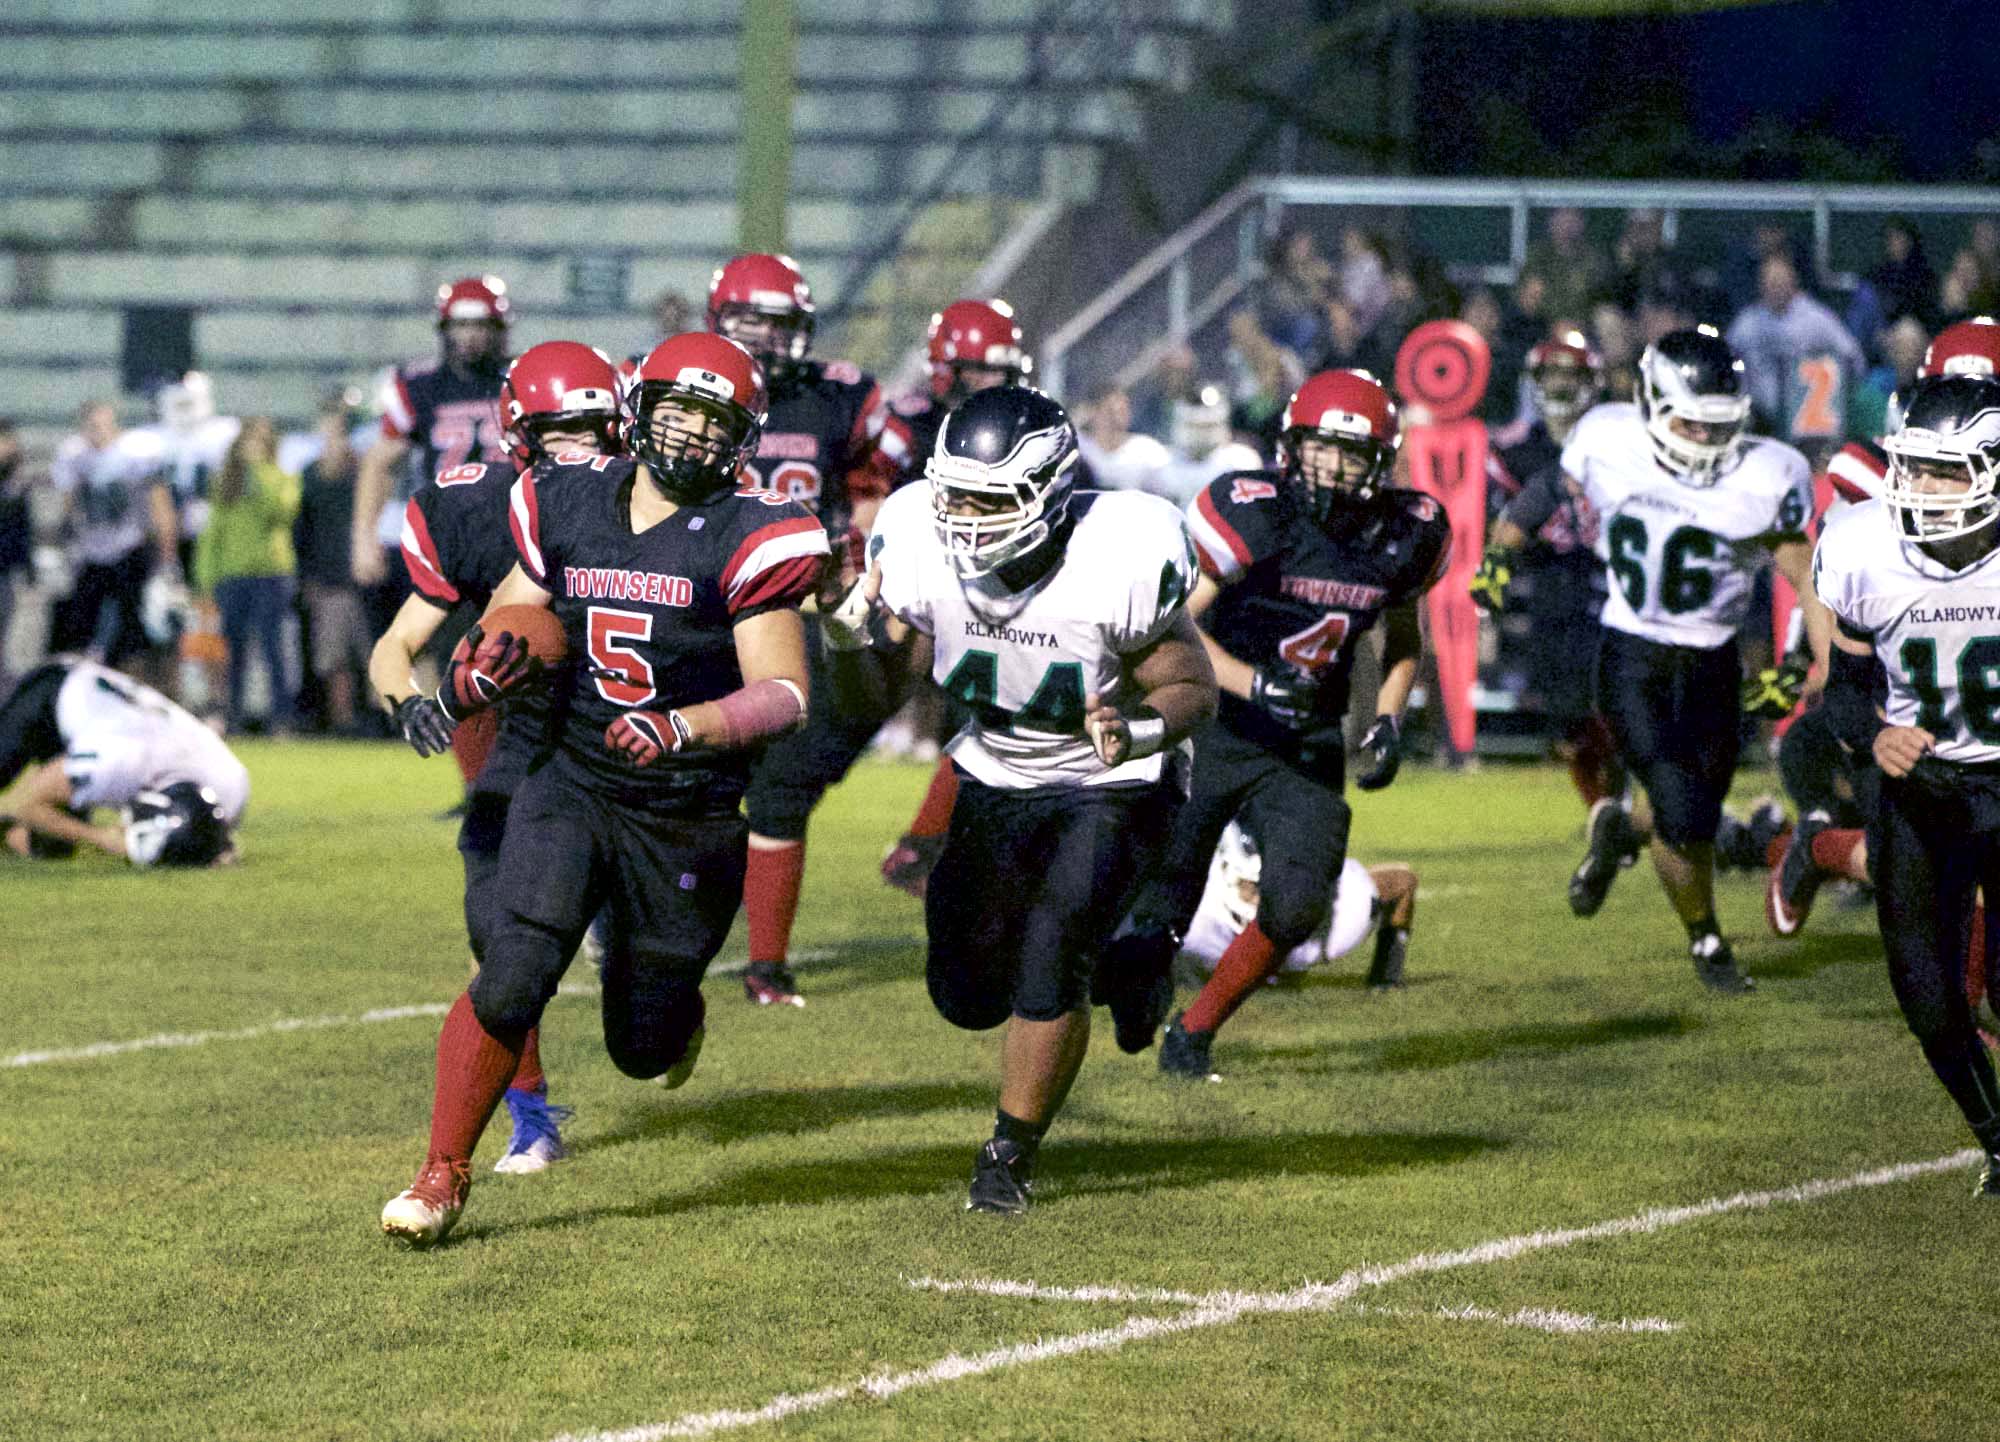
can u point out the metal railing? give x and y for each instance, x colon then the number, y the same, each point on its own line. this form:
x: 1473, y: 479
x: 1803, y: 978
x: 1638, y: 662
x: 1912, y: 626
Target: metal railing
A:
x: 1193, y: 276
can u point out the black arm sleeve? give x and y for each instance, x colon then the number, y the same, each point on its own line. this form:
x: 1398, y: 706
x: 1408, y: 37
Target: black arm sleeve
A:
x: 1538, y: 499
x: 1852, y: 684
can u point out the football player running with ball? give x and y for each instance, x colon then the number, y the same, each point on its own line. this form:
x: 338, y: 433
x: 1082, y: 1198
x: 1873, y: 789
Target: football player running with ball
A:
x: 1296, y: 565
x: 679, y: 594
x: 1688, y: 506
x: 1057, y: 617
x: 1913, y: 580
x: 559, y: 397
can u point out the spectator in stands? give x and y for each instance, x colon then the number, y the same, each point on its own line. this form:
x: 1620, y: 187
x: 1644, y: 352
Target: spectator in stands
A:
x: 1574, y: 270
x: 336, y: 624
x: 1903, y: 280
x: 1483, y: 312
x: 16, y: 529
x: 245, y: 561
x: 1350, y: 347
x: 1120, y: 458
x: 1784, y: 328
x: 1641, y: 264
x: 1617, y: 341
x: 1156, y: 397
x: 1297, y: 284
x: 1903, y: 346
x: 1262, y: 377
x: 122, y: 526
x: 1742, y: 275
x: 1970, y: 287
x: 673, y: 314
x: 1364, y: 279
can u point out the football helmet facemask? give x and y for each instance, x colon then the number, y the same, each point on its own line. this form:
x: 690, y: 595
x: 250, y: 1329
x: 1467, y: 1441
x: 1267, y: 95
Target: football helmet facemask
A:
x: 482, y: 300
x: 1692, y: 376
x: 1944, y: 460
x: 695, y: 409
x: 762, y: 302
x: 559, y: 385
x: 1565, y: 377
x: 1349, y: 419
x: 1001, y: 477
x: 180, y: 824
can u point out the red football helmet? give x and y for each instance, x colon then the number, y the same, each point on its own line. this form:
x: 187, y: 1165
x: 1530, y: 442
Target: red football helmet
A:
x: 975, y: 335
x: 481, y: 298
x: 717, y: 399
x: 559, y: 385
x: 762, y: 302
x: 1565, y: 376
x: 1965, y: 348
x: 1351, y: 412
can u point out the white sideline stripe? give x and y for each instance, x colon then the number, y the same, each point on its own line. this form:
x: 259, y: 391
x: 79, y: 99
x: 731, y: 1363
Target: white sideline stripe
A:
x: 167, y: 1040
x: 1220, y: 1309
x: 1542, y: 1319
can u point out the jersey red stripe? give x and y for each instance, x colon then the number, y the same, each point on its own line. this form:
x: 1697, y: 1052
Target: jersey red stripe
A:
x: 735, y: 576
x: 524, y: 520
x: 788, y: 581
x: 1205, y: 504
x: 420, y: 558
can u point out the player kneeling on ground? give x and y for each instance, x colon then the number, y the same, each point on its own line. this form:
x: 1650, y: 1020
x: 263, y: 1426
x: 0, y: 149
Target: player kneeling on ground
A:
x: 1364, y: 896
x: 1908, y: 578
x: 1057, y: 617
x: 88, y: 736
x: 680, y: 594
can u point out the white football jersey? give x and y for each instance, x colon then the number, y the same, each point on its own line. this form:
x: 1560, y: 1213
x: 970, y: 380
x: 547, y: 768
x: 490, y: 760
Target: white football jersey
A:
x: 1353, y: 917
x: 1936, y: 631
x: 121, y: 738
x: 1682, y: 559
x: 1024, y: 662
x: 111, y: 491
x: 193, y: 462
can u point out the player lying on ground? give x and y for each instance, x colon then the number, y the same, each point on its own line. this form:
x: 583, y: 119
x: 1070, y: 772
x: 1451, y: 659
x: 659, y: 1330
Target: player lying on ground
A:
x: 680, y: 594
x: 1057, y: 617
x: 87, y: 736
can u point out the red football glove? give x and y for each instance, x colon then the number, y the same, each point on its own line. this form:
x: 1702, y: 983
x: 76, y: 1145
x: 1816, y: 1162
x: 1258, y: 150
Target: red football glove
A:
x: 483, y: 669
x: 645, y: 736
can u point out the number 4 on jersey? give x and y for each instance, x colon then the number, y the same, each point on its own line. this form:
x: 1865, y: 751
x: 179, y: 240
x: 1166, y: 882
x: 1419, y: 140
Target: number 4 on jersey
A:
x: 1056, y: 708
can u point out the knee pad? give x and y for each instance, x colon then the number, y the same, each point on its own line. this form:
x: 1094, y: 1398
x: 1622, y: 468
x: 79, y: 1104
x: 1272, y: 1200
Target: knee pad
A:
x: 517, y: 976
x: 781, y: 810
x: 649, y: 1018
x: 1289, y: 914
x: 1686, y: 812
x: 957, y: 1005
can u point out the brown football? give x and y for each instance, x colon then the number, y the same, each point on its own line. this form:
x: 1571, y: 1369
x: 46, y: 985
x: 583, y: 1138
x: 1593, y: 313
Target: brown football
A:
x: 537, y: 625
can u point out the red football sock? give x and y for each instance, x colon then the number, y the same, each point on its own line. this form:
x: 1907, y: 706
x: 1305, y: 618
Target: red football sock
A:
x: 1242, y: 969
x: 472, y: 742
x: 472, y: 1071
x: 1834, y: 851
x: 934, y: 816
x: 1975, y: 960
x: 528, y: 1074
x: 771, y: 898
x: 1592, y: 761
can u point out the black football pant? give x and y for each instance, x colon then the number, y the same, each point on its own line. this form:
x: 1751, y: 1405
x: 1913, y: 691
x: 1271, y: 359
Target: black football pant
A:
x: 1029, y: 888
x: 1296, y: 816
x: 1675, y: 713
x: 28, y: 731
x: 1811, y: 763
x: 1936, y: 838
x: 671, y: 883
x: 795, y: 771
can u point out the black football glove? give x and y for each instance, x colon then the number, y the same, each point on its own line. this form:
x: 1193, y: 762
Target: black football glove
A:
x: 424, y: 725
x: 1490, y: 581
x: 1383, y: 745
x: 1773, y: 693
x: 1284, y: 694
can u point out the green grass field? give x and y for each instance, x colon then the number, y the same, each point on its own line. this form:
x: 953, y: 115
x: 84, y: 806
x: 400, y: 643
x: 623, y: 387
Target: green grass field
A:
x: 190, y: 1247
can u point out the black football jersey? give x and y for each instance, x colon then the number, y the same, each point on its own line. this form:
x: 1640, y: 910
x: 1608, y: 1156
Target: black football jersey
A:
x: 830, y: 440
x: 1300, y: 594
x: 448, y: 417
x: 923, y: 420
x: 1542, y: 504
x: 458, y: 548
x: 650, y: 616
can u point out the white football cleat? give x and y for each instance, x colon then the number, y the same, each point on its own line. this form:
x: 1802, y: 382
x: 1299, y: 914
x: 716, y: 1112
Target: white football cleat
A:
x: 537, y: 1141
x: 429, y: 1208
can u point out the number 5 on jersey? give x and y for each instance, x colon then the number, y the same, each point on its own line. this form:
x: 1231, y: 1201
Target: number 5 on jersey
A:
x: 624, y: 677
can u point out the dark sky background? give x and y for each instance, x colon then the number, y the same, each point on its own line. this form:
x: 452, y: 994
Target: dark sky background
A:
x: 1913, y: 82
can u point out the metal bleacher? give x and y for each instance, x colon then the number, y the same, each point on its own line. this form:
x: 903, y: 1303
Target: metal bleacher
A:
x: 303, y: 179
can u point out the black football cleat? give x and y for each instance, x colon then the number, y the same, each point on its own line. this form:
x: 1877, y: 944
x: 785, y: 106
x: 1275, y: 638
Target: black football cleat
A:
x: 1392, y: 945
x: 1184, y: 1053
x: 1137, y: 977
x: 770, y: 983
x: 1003, y: 1177
x: 1715, y: 964
x: 1610, y: 842
x: 1795, y: 879
x: 1988, y: 1184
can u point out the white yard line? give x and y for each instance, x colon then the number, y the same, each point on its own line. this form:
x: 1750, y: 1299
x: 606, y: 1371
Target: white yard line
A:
x: 163, y: 1041
x: 1221, y: 1309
